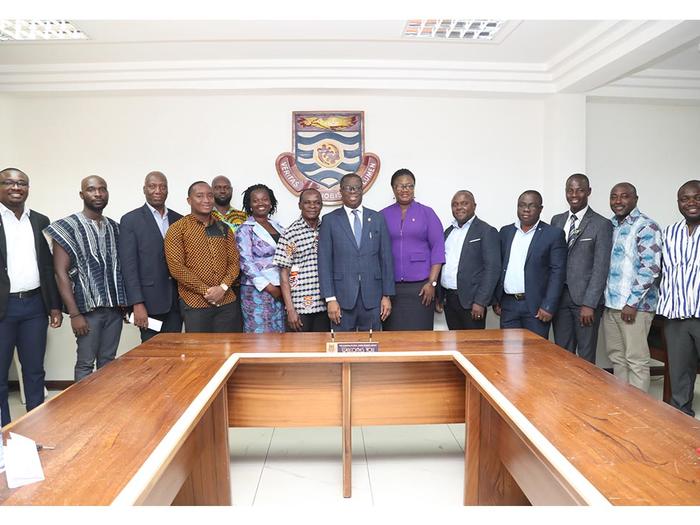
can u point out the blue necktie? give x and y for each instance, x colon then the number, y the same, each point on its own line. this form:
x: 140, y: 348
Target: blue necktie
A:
x: 357, y: 227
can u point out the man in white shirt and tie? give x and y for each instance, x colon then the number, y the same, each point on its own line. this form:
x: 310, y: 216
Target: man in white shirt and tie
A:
x: 355, y: 263
x: 589, y: 240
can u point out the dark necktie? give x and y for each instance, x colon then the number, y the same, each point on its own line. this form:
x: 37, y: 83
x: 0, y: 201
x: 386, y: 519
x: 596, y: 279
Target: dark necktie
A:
x: 357, y: 227
x: 572, y: 230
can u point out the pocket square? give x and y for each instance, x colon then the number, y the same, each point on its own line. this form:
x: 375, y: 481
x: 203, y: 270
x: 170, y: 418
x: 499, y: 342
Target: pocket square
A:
x: 584, y: 240
x: 474, y: 240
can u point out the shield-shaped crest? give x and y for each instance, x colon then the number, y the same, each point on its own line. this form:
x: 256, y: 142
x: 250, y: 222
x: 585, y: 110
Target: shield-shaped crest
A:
x: 327, y: 145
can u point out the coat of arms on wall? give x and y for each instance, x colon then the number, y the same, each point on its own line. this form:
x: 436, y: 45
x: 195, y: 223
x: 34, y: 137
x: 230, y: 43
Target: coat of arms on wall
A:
x: 327, y: 145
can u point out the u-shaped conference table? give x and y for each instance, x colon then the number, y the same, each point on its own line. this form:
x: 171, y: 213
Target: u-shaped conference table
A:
x: 543, y: 427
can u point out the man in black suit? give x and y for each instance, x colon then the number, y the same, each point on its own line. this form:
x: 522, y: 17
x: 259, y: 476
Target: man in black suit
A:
x: 150, y: 289
x: 589, y: 240
x: 473, y: 265
x: 534, y: 269
x: 28, y: 292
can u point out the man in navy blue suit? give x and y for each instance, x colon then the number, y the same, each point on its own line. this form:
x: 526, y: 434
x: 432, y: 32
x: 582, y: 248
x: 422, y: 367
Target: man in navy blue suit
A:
x: 150, y: 289
x: 534, y: 269
x: 355, y: 265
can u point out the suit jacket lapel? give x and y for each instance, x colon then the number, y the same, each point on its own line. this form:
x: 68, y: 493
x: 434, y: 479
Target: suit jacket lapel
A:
x: 345, y: 224
x: 578, y: 231
x: 151, y: 221
x: 448, y: 231
x: 509, y: 243
x: 536, y: 236
x: 38, y: 234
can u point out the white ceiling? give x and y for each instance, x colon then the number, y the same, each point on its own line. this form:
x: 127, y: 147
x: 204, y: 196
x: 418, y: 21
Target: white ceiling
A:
x: 607, y: 58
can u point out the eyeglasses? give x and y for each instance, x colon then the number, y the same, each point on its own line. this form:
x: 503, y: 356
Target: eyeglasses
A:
x: 8, y: 183
x: 528, y: 206
x: 405, y: 187
x: 351, y: 189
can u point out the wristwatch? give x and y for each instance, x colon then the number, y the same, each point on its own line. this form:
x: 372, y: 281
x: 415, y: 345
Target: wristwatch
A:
x: 224, y: 286
x: 433, y: 284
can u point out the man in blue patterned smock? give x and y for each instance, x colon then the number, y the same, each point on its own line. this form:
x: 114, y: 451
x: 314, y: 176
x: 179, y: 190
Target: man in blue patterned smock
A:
x: 88, y: 272
x: 631, y: 293
x: 297, y: 258
x: 679, y: 296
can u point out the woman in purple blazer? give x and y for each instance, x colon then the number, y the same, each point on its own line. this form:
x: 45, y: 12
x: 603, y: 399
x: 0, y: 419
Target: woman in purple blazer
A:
x: 418, y: 247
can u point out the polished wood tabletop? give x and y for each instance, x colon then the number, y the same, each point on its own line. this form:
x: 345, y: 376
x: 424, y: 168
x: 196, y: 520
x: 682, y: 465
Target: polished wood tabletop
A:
x: 635, y: 449
x: 105, y: 426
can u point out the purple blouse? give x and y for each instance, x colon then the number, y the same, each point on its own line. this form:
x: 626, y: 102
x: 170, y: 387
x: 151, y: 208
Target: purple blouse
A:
x: 416, y: 244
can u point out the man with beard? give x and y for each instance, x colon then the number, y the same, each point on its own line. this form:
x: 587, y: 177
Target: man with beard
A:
x: 223, y: 210
x: 86, y: 260
x: 679, y: 296
x: 297, y: 258
x: 233, y: 218
x: 150, y: 289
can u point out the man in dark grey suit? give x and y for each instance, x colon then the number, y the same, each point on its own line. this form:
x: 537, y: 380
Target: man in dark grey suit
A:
x: 589, y: 240
x: 355, y: 264
x: 150, y: 289
x: 473, y: 265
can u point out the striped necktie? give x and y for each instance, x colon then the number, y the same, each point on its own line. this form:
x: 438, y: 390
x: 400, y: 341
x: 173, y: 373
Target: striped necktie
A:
x: 357, y: 227
x: 572, y: 230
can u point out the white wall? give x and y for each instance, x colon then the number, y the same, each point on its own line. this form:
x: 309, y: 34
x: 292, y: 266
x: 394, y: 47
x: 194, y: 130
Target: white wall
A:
x: 6, y: 131
x: 496, y: 147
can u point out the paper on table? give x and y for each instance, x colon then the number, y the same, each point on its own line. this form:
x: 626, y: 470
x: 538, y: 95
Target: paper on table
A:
x: 22, y: 462
x: 153, y: 324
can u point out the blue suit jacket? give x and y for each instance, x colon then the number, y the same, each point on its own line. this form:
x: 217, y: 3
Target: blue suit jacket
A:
x: 344, y: 270
x: 142, y: 257
x: 545, y: 266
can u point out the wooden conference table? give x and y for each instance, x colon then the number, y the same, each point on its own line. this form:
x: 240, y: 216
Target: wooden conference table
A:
x: 543, y: 427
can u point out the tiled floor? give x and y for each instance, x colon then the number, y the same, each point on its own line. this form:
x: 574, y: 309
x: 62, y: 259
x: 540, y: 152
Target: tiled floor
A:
x: 392, y: 465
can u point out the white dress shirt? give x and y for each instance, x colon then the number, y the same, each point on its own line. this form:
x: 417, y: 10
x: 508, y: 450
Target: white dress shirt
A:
x: 351, y: 215
x: 579, y: 215
x: 22, y: 267
x: 161, y: 220
x: 514, y: 281
x: 453, y: 251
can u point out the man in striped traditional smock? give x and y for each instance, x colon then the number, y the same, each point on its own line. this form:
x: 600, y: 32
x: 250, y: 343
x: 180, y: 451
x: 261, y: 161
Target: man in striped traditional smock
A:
x: 679, y: 296
x: 86, y: 261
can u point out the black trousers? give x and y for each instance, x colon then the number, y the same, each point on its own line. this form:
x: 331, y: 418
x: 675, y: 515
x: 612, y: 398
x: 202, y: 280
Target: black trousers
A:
x: 683, y: 340
x: 316, y: 322
x: 172, y: 321
x: 214, y: 319
x: 459, y: 318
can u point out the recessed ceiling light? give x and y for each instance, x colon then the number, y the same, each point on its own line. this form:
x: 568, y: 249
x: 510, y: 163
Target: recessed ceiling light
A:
x: 39, y: 30
x: 452, y: 29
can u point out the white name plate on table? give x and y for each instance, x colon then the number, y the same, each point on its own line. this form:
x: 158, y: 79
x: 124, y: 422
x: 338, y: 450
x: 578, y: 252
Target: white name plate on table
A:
x: 347, y: 347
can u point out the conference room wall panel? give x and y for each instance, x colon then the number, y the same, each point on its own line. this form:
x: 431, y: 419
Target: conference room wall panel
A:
x: 497, y: 147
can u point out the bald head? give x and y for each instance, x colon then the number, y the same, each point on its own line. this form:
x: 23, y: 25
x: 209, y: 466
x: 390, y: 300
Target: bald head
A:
x: 223, y: 191
x: 93, y: 191
x: 155, y: 189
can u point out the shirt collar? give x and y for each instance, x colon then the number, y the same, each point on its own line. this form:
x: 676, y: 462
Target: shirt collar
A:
x: 629, y: 219
x: 349, y: 211
x: 579, y: 214
x: 465, y: 225
x: 156, y: 212
x: 533, y: 229
x: 4, y: 210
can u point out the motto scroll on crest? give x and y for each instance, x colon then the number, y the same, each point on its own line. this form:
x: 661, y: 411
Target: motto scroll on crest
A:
x: 327, y: 145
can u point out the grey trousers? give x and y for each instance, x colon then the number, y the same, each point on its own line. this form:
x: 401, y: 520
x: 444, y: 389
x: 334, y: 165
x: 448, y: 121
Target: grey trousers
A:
x: 683, y: 341
x: 627, y: 346
x: 568, y: 332
x: 101, y: 342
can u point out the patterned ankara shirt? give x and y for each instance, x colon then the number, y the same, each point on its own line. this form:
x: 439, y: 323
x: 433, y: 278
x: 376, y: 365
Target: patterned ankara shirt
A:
x: 200, y: 257
x: 94, y: 260
x: 635, y: 263
x: 298, y: 250
x: 233, y: 217
x: 679, y: 296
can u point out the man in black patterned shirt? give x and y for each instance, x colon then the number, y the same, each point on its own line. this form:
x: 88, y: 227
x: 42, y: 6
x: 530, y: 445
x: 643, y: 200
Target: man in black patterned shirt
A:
x: 297, y: 258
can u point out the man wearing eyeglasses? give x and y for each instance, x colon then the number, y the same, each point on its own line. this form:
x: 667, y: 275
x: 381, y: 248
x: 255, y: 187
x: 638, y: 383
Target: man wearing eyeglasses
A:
x: 355, y: 265
x: 28, y: 293
x: 534, y: 269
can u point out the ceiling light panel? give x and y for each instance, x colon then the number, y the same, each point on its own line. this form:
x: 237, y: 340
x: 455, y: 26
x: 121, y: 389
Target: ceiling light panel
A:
x: 455, y: 30
x: 39, y: 30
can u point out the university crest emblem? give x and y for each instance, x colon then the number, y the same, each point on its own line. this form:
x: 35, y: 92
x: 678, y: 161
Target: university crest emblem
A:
x: 327, y: 145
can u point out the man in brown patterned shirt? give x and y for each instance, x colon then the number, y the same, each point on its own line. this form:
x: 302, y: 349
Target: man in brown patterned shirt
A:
x: 202, y: 256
